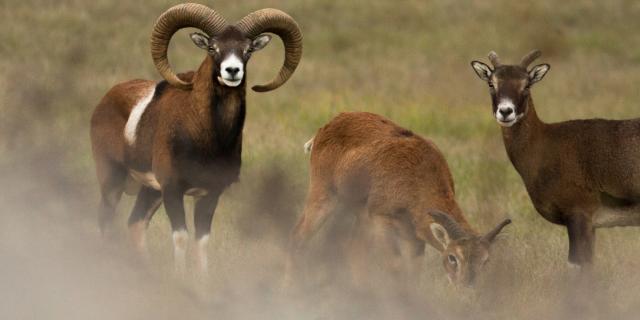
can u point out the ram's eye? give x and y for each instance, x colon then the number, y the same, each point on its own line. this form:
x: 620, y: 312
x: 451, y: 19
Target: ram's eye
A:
x: 490, y: 84
x: 452, y: 260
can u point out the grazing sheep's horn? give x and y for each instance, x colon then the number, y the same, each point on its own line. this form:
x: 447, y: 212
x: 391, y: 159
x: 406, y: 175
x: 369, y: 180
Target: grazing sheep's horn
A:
x: 491, y: 235
x: 448, y: 223
x: 495, y: 61
x: 526, y: 60
x: 177, y: 17
x: 281, y: 24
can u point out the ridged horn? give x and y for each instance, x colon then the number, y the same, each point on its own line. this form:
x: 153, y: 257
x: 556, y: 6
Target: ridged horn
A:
x: 186, y: 15
x: 526, y: 60
x: 491, y: 235
x: 281, y: 24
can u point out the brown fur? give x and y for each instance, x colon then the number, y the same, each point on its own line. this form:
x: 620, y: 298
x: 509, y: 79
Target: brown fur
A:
x: 188, y: 139
x: 390, y: 177
x: 582, y: 174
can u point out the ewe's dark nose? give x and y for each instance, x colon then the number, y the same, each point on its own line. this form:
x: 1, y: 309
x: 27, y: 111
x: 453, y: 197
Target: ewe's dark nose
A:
x: 506, y: 112
x: 232, y: 70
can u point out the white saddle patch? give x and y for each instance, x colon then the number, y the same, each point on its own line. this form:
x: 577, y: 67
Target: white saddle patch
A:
x: 135, y: 115
x: 146, y: 178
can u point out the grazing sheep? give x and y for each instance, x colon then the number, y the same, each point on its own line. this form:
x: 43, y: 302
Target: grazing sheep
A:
x: 400, y: 188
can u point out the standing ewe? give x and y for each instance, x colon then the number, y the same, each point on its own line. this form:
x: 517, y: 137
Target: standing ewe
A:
x: 583, y: 174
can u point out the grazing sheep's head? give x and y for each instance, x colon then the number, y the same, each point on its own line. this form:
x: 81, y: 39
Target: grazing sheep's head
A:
x: 463, y: 254
x: 229, y: 46
x: 509, y: 85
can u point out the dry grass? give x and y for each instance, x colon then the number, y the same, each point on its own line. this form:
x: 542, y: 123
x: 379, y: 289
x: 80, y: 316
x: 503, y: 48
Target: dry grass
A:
x: 408, y: 60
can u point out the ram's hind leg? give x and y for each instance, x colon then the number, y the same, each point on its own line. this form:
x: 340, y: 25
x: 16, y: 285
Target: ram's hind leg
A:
x: 147, y: 203
x: 112, y: 178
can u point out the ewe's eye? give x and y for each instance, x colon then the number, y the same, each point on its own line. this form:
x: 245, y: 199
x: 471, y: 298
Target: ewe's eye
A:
x: 452, y: 260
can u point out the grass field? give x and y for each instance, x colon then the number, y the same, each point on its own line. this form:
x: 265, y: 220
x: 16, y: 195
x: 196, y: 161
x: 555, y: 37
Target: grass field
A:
x: 407, y: 60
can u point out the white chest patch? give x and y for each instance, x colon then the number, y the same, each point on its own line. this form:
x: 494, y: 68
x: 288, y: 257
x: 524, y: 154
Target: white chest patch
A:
x: 135, y: 115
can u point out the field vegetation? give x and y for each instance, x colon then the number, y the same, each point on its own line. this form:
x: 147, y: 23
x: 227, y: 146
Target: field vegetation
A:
x: 407, y: 60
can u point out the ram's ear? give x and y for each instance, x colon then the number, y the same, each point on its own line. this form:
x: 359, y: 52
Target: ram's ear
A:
x: 201, y: 40
x: 538, y: 72
x: 260, y: 42
x: 440, y: 234
x: 482, y: 70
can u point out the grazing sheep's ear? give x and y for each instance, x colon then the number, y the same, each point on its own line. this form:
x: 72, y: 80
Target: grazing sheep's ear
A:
x: 200, y: 40
x: 440, y: 234
x: 260, y: 42
x: 482, y: 70
x: 537, y: 73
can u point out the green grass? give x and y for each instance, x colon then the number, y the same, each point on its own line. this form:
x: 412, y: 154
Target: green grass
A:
x: 407, y: 60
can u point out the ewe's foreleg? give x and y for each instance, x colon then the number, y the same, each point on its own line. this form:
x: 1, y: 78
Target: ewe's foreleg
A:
x: 582, y: 238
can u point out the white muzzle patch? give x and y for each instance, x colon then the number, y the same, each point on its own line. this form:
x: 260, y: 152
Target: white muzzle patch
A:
x: 231, y: 71
x: 506, y: 113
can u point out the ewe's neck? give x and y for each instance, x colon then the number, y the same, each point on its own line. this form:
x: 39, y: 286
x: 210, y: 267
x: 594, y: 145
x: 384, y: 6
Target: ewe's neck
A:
x: 521, y: 139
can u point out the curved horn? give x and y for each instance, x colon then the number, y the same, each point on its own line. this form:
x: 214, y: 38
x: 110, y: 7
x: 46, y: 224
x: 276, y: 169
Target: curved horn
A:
x: 281, y: 24
x: 526, y: 60
x: 491, y: 235
x: 177, y: 17
x: 448, y: 223
x: 495, y: 61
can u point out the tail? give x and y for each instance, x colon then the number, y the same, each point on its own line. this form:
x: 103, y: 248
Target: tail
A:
x: 309, y: 145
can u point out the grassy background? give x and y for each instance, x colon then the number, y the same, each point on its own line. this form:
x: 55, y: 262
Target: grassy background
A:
x: 407, y: 60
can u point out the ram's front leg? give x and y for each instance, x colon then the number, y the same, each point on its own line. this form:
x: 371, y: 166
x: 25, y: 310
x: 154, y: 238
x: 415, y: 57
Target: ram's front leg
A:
x: 172, y: 196
x: 203, y: 216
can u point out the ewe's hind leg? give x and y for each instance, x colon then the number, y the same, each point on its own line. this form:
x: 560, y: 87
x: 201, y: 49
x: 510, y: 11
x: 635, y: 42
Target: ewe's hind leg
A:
x: 111, y: 178
x: 147, y: 203
x: 319, y: 205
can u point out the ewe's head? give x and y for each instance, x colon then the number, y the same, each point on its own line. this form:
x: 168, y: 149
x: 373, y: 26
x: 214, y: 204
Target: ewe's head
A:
x: 464, y: 254
x: 509, y: 85
x: 228, y: 46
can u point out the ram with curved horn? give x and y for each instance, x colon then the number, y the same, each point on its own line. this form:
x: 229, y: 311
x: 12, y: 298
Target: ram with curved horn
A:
x: 582, y: 174
x: 183, y: 135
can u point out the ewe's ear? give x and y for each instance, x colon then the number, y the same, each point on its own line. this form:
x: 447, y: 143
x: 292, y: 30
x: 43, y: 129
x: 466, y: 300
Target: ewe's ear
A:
x: 482, y: 70
x: 260, y: 42
x: 201, y: 40
x: 440, y: 233
x: 537, y: 73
